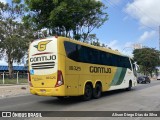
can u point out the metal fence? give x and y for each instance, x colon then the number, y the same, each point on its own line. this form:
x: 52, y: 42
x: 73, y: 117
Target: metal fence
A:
x: 17, y: 78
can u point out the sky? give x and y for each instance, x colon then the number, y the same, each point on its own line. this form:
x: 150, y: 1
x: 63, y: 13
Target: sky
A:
x: 130, y: 22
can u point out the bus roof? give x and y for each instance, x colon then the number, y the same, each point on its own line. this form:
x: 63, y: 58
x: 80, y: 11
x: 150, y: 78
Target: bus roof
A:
x: 85, y: 44
x: 91, y: 46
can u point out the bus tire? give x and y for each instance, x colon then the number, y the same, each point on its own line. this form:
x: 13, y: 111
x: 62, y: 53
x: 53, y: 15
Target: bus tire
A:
x: 129, y: 86
x: 87, y: 92
x: 97, y: 91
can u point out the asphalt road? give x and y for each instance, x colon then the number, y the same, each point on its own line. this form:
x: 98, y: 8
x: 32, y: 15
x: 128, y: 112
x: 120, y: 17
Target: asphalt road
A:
x: 144, y: 97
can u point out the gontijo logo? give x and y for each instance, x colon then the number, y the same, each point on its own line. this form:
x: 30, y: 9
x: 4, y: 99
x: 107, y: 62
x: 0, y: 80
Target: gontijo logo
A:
x: 42, y: 45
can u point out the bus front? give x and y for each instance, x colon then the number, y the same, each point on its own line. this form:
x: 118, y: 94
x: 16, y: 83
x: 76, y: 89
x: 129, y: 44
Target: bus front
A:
x: 44, y: 77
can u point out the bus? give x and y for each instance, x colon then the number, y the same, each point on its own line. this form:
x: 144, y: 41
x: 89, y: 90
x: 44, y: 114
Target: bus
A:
x: 62, y: 67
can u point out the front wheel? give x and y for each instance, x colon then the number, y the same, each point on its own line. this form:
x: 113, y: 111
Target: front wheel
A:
x: 130, y: 86
x: 87, y: 92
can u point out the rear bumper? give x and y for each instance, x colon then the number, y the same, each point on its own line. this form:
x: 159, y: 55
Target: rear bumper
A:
x: 59, y: 91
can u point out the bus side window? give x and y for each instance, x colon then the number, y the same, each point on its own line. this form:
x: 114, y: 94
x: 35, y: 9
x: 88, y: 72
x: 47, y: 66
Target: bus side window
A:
x: 71, y: 50
x: 95, y: 57
x: 82, y: 54
x: 103, y: 58
x: 114, y: 61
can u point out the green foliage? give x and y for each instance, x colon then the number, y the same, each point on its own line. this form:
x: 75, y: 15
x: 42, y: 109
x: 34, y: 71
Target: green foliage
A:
x: 14, y: 36
x: 76, y: 18
x: 147, y: 58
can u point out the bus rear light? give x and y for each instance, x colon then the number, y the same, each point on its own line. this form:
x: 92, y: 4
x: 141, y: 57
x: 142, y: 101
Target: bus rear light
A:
x: 29, y: 79
x: 60, y: 80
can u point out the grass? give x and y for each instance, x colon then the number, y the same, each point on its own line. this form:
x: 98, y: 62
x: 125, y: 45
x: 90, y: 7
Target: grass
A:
x: 13, y: 81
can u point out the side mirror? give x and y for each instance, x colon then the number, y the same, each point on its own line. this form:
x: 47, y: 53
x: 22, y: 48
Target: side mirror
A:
x: 136, y: 66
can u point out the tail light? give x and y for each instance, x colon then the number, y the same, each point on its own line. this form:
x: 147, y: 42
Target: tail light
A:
x: 29, y: 79
x: 60, y: 80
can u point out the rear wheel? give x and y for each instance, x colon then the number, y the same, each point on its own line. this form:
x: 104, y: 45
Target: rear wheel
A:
x: 97, y: 91
x: 87, y: 92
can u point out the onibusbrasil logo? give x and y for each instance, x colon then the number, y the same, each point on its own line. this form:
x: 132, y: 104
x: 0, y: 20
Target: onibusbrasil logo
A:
x: 42, y: 45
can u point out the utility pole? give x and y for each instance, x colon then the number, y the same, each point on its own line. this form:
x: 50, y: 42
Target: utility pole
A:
x: 159, y: 38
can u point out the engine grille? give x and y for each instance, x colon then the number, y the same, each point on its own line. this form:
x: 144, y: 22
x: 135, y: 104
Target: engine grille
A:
x: 43, y: 65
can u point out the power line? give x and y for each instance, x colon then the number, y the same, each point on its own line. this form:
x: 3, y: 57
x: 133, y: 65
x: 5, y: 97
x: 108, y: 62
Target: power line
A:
x: 142, y: 11
x: 125, y: 13
x: 159, y: 37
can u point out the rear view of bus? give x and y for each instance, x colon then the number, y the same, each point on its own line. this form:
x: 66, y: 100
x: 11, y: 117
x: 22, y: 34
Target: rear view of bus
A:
x: 44, y: 77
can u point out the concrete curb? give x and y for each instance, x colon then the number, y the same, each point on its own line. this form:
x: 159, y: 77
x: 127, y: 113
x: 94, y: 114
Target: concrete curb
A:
x: 11, y: 96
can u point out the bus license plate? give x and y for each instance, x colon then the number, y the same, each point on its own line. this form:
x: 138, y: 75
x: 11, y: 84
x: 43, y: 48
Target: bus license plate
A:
x: 43, y: 90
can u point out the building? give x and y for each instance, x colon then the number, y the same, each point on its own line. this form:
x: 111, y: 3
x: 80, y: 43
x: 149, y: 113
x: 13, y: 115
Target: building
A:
x: 137, y: 46
x: 22, y: 70
x: 15, y: 68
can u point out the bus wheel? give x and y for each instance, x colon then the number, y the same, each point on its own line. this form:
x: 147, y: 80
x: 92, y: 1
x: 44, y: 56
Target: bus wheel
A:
x: 97, y: 91
x: 87, y: 92
x: 130, y: 86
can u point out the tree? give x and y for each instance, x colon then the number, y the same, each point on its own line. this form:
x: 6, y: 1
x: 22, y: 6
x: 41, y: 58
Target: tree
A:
x: 14, y: 36
x: 76, y: 18
x: 147, y: 58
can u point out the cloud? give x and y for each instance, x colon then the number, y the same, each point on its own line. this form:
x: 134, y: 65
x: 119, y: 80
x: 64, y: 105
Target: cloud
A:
x: 4, y: 1
x: 2, y: 62
x: 147, y: 35
x: 113, y: 44
x: 124, y: 49
x: 128, y: 45
x: 146, y: 11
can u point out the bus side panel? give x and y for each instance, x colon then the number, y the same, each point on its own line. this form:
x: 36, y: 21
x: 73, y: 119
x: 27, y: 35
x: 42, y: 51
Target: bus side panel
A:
x: 87, y: 76
x: 71, y: 85
x: 121, y: 79
x: 102, y: 79
x: 72, y: 74
x: 109, y: 78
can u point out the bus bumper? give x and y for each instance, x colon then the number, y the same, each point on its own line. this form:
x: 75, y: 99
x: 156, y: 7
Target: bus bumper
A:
x: 47, y: 91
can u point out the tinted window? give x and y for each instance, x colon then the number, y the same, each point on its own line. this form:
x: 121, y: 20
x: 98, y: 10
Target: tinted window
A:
x: 85, y: 54
x: 71, y: 50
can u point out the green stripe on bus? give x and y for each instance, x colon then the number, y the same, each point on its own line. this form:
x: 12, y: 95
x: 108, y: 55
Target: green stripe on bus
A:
x: 116, y: 76
x: 119, y: 76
